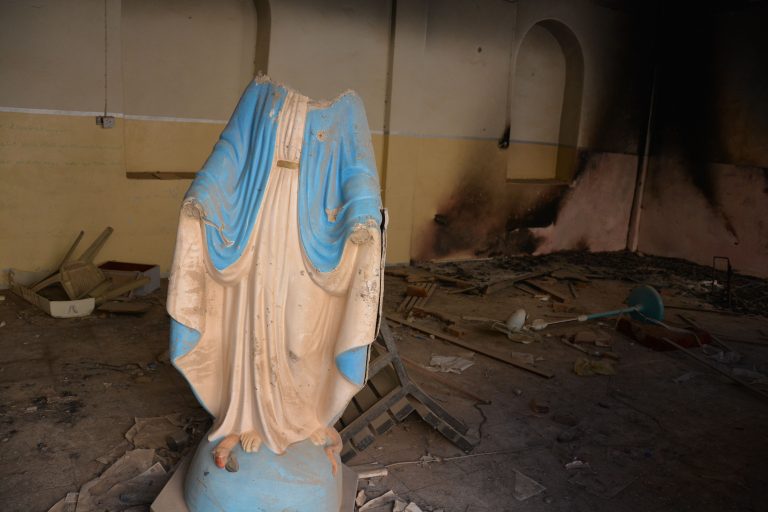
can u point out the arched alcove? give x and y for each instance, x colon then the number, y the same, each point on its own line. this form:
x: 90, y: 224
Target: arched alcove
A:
x: 546, y: 104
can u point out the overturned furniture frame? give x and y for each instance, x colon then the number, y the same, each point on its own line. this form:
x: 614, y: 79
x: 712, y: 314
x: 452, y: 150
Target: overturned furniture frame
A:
x: 388, y: 397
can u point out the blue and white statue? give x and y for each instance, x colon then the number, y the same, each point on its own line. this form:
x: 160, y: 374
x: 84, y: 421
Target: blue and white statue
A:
x: 275, y: 297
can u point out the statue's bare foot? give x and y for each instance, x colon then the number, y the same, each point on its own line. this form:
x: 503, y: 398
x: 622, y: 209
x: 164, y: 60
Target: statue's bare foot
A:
x: 223, y: 449
x: 250, y: 441
x: 332, y: 444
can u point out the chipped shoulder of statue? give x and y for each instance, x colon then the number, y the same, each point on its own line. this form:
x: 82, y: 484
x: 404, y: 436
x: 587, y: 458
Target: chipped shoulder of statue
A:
x: 276, y: 282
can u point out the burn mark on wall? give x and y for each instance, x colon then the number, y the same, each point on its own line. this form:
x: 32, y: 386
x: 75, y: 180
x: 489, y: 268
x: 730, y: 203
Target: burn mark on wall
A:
x: 591, y: 213
x: 484, y: 218
x: 699, y: 116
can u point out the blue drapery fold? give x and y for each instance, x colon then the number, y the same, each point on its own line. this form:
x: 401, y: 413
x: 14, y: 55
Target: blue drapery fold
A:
x: 338, y: 189
x: 231, y: 184
x: 338, y: 184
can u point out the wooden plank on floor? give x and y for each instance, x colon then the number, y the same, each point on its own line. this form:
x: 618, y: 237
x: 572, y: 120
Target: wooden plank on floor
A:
x: 472, y: 346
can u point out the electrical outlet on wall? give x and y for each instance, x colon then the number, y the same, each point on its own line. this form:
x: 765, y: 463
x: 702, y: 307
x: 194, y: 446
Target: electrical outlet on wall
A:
x: 105, y: 121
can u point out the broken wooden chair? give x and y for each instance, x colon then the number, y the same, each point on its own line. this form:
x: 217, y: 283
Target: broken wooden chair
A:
x: 388, y: 397
x: 81, y: 278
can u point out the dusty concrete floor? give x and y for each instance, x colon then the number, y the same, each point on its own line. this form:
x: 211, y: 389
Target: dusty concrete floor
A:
x: 652, y: 444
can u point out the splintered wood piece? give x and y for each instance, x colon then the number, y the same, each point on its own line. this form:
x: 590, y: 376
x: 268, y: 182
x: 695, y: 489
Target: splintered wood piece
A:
x: 416, y: 295
x: 453, y: 280
x: 505, y: 282
x: 421, y: 301
x: 417, y: 278
x: 421, y: 312
x: 549, y: 291
x: 416, y: 291
x: 568, y: 275
x: 397, y: 272
x: 455, y: 331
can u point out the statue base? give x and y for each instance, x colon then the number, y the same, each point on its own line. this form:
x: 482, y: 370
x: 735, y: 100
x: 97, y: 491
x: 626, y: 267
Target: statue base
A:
x: 264, y: 482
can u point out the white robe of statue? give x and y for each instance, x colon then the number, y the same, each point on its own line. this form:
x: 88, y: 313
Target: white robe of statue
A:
x: 270, y: 323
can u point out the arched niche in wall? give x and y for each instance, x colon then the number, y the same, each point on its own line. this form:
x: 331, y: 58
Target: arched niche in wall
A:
x: 185, y: 65
x: 546, y: 104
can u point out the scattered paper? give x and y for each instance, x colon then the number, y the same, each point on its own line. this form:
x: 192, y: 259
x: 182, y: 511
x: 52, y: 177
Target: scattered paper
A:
x: 139, y: 490
x: 129, y: 466
x: 577, y: 464
x: 449, y: 364
x: 583, y: 366
x: 526, y: 487
x: 153, y: 432
x: 385, y: 498
x: 115, y: 453
x: 753, y: 376
x: 399, y: 506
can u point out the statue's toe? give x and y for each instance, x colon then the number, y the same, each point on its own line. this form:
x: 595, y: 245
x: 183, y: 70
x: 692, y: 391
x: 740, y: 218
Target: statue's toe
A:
x: 223, y: 449
x: 250, y: 441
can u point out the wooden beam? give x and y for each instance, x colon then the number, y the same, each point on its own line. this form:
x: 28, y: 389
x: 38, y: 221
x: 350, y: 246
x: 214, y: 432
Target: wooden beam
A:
x: 471, y: 346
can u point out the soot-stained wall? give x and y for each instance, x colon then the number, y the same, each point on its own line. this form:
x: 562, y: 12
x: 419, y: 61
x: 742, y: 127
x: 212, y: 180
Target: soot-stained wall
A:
x: 707, y: 189
x: 484, y: 212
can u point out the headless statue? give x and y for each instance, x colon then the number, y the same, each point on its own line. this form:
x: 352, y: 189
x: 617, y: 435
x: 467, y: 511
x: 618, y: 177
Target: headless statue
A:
x: 275, y: 289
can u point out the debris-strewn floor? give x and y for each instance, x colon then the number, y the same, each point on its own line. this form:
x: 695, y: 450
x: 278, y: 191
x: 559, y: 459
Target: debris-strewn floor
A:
x: 664, y: 433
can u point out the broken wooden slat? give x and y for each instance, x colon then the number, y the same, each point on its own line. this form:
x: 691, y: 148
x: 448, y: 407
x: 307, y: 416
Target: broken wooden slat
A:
x: 430, y: 291
x: 546, y: 289
x: 397, y: 272
x: 416, y: 291
x: 573, y: 290
x: 421, y: 312
x: 453, y: 280
x: 455, y: 330
x: 497, y: 285
x: 568, y: 275
x: 472, y: 346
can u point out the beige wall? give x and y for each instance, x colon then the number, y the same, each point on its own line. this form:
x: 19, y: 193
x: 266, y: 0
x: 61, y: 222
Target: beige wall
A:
x: 177, y: 68
x: 325, y: 47
x: 175, y: 71
x: 186, y: 59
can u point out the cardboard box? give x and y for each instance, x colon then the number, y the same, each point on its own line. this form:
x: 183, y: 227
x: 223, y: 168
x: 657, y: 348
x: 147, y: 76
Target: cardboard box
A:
x: 20, y: 281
